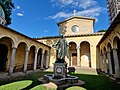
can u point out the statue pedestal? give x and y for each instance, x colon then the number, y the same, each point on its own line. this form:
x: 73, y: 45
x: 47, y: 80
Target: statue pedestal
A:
x: 60, y: 70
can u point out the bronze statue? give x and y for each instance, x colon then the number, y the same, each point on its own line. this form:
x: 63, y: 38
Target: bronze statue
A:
x: 61, y: 48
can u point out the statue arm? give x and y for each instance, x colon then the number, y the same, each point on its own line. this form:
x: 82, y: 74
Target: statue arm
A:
x: 55, y: 45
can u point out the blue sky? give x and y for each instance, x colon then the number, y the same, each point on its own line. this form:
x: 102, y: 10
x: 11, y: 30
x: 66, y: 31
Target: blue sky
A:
x: 38, y: 18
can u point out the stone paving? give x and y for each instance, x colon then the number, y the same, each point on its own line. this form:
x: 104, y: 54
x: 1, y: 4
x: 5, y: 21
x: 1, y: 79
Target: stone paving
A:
x: 5, y: 75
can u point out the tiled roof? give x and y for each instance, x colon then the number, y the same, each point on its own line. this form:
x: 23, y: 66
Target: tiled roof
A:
x: 69, y: 36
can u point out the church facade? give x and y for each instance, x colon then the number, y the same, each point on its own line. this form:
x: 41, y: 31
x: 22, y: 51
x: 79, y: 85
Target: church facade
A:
x: 79, y: 33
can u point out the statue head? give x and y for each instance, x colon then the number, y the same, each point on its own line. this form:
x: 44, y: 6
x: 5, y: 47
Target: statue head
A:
x: 62, y: 36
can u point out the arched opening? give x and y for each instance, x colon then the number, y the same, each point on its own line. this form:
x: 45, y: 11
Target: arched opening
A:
x: 116, y: 45
x: 39, y: 58
x: 3, y: 56
x: 6, y: 44
x: 112, y: 59
x: 101, y: 60
x: 45, y: 59
x: 31, y: 57
x: 106, y: 61
x: 73, y: 54
x: 118, y: 50
x: 85, y: 54
x: 20, y: 57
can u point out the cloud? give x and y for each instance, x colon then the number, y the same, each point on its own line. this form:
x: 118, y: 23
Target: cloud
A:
x: 83, y: 4
x: 61, y: 2
x: 20, y: 14
x: 60, y: 15
x: 87, y: 3
x: 18, y: 7
x: 92, y: 12
x: 88, y: 8
x: 45, y: 31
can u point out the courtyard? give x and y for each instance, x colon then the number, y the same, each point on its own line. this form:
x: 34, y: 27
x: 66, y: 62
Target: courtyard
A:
x: 93, y: 81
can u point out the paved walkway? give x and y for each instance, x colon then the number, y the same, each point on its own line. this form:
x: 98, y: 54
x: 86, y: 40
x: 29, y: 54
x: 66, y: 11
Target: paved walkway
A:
x: 5, y: 75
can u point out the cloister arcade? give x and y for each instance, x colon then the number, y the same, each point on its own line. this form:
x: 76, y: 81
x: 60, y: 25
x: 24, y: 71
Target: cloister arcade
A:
x: 20, y: 53
x: 80, y: 54
x: 110, y: 57
x: 109, y: 49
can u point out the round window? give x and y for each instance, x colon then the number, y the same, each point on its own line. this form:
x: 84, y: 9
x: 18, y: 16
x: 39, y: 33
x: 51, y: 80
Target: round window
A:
x: 75, y: 29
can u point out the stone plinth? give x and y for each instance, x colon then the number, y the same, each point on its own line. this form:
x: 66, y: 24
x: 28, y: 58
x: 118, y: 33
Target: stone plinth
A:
x: 60, y: 70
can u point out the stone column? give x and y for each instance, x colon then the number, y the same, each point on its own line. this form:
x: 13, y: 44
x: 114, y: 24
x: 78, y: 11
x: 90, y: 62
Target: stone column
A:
x: 101, y: 62
x: 12, y: 60
x: 35, y: 60
x: 105, y: 64
x: 99, y: 65
x: 42, y: 60
x: 26, y: 61
x: 47, y: 61
x: 117, y: 69
x: 78, y: 55
x: 109, y: 62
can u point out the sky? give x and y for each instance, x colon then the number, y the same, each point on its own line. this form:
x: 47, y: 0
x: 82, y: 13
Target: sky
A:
x: 38, y: 18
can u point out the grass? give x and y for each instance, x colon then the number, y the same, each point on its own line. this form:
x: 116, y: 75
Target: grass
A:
x: 98, y: 82
x: 75, y: 88
x: 30, y: 82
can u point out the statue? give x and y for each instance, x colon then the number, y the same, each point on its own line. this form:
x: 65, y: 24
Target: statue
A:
x: 61, y: 49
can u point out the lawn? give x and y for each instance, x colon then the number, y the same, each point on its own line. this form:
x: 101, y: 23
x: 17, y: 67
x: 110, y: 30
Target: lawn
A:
x: 30, y: 82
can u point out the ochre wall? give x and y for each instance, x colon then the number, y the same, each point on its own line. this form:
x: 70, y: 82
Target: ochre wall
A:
x: 85, y: 26
x: 13, y: 39
x: 93, y: 41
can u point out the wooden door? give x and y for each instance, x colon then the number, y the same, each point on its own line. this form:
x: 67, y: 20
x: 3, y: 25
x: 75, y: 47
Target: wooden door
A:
x: 74, y: 59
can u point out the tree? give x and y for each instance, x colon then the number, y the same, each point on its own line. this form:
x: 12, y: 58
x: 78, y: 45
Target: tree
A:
x: 102, y: 30
x: 7, y: 6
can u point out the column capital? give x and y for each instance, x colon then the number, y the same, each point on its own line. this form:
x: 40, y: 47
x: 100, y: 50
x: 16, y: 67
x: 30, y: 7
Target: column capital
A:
x: 26, y: 50
x: 14, y: 47
x: 91, y: 45
x: 104, y: 52
x: 47, y: 54
x: 42, y: 53
x: 114, y: 48
x: 36, y: 52
x: 108, y: 51
x: 78, y: 47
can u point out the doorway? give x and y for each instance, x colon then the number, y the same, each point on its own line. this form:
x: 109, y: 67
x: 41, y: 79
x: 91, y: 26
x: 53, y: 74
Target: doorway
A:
x: 3, y: 56
x: 74, y: 59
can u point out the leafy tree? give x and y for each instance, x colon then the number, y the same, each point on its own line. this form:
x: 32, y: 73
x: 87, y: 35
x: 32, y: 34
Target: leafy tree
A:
x: 102, y: 30
x: 7, y: 6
